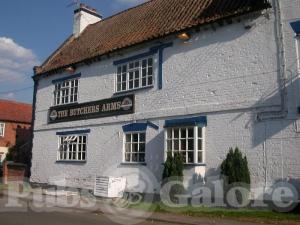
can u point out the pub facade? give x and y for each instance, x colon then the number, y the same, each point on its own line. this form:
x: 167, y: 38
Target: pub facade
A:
x: 177, y: 76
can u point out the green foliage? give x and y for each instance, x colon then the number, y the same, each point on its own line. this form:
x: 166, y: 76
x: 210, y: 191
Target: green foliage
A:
x: 19, y: 153
x: 173, y: 171
x: 235, y: 167
x: 173, y: 166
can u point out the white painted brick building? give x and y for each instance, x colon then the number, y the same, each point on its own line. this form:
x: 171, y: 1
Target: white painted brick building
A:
x: 236, y: 78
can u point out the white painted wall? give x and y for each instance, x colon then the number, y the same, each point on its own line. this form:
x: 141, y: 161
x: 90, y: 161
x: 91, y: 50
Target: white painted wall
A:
x: 229, y: 75
x: 81, y: 20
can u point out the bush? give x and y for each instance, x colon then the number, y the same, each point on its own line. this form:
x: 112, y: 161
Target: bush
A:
x: 236, y: 173
x: 173, y: 171
x: 235, y: 167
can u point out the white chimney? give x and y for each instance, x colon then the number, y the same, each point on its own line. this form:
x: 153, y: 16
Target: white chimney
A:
x: 84, y: 16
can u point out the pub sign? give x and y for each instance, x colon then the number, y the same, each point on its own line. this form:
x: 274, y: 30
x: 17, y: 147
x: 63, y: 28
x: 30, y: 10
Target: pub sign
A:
x: 103, y: 108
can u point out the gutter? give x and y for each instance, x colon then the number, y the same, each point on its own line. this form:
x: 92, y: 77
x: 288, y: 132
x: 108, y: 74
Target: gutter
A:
x: 282, y: 113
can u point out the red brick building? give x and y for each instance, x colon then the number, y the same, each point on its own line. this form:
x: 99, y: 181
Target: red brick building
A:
x: 15, y: 124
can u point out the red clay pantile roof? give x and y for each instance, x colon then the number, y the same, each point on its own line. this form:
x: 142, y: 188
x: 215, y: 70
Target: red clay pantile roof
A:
x: 148, y: 21
x: 15, y: 111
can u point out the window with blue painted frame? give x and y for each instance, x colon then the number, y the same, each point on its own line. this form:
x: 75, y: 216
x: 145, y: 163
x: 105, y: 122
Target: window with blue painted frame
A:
x: 72, y: 147
x: 134, y: 147
x: 134, y: 75
x: 66, y: 92
x: 188, y: 141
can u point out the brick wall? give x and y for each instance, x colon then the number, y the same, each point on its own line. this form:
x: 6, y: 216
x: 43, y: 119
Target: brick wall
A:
x: 15, y: 132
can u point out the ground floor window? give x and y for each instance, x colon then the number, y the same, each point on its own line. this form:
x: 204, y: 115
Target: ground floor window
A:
x: 135, y: 144
x: 188, y: 141
x: 72, y: 147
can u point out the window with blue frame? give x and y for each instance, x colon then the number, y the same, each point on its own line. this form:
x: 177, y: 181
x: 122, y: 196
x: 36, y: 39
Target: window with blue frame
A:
x: 72, y: 147
x: 135, y: 145
x: 66, y: 92
x: 134, y: 75
x: 188, y: 141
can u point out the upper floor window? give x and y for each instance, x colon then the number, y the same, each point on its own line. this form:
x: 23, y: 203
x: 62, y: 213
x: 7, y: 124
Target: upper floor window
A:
x: 2, y: 129
x: 66, y: 92
x: 135, y: 147
x: 72, y: 147
x: 134, y: 75
x: 188, y: 141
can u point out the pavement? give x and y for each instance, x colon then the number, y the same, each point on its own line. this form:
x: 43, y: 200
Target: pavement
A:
x: 42, y: 210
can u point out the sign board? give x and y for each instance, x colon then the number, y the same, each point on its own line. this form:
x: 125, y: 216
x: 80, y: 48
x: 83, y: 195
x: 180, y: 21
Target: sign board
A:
x: 90, y: 110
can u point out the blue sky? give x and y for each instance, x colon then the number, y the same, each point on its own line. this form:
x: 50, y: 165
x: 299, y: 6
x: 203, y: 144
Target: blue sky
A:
x: 30, y: 31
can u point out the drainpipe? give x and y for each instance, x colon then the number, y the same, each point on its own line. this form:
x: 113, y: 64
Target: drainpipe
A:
x: 35, y: 80
x: 282, y: 113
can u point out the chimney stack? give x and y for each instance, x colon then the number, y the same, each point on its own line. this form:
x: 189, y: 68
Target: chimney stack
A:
x: 84, y: 16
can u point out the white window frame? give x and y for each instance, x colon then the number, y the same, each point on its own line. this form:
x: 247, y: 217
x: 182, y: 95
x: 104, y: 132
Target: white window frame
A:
x: 131, y: 143
x: 68, y: 140
x: 297, y: 43
x: 130, y: 75
x: 195, y: 138
x: 2, y: 129
x: 66, y: 92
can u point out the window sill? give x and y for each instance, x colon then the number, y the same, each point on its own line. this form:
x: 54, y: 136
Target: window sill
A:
x: 133, y: 164
x: 191, y: 164
x: 194, y: 164
x: 133, y: 90
x: 71, y: 161
x: 69, y: 104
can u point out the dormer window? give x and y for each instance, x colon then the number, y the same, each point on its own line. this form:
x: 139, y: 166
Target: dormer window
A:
x: 134, y: 75
x: 66, y: 92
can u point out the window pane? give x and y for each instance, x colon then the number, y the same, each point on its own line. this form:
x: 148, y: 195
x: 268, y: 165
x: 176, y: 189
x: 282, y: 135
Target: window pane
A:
x: 127, y: 157
x: 190, y: 132
x: 169, y: 133
x: 135, y: 137
x: 183, y: 144
x: 127, y: 147
x: 191, y: 144
x: 150, y: 71
x: 200, y: 132
x: 142, y: 137
x: 150, y: 62
x: 200, y: 144
x: 190, y: 157
x: 183, y: 133
x: 176, y: 133
x: 124, y: 69
x: 119, y: 78
x: 169, y: 145
x: 150, y: 80
x: 135, y: 147
x: 142, y: 148
x: 144, y: 82
x: 200, y: 157
x: 119, y: 70
x: 135, y: 157
x: 176, y: 145
x: 142, y: 157
x: 128, y: 138
x: 144, y: 63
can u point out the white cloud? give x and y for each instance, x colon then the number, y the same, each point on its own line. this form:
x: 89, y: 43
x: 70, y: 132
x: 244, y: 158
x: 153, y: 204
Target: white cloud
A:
x: 16, y: 62
x: 9, y: 95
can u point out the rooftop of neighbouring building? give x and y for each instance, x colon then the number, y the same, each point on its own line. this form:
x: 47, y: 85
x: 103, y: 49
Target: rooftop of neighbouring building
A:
x: 151, y: 20
x: 15, y: 111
